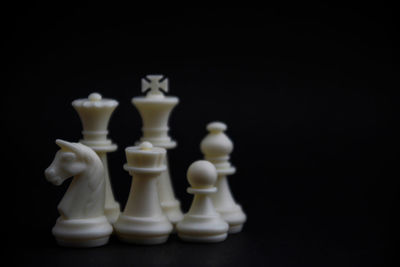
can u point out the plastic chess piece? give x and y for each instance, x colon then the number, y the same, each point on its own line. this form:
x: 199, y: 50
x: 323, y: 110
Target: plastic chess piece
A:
x: 95, y: 113
x: 82, y: 222
x: 217, y: 147
x: 143, y: 221
x: 155, y: 109
x: 202, y: 223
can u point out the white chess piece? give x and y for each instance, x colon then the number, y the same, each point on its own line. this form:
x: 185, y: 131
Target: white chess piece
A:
x: 143, y: 221
x: 155, y: 109
x: 202, y: 223
x: 82, y: 222
x: 95, y: 113
x: 216, y: 147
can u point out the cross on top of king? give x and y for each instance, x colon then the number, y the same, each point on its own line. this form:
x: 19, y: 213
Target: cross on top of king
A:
x: 154, y: 83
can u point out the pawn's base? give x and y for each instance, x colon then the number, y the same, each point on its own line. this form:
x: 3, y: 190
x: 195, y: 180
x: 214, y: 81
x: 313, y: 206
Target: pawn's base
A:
x: 203, y: 239
x: 91, y: 232
x: 202, y: 228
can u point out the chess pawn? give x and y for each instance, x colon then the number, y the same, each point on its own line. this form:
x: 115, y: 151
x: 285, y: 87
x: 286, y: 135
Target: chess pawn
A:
x: 155, y: 109
x: 202, y: 223
x: 143, y: 221
x: 82, y: 222
x: 95, y: 113
x: 217, y: 147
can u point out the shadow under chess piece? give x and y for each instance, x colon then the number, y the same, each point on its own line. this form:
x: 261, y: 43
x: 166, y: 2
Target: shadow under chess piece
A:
x: 82, y: 222
x: 155, y: 109
x: 202, y: 223
x: 143, y: 221
x: 95, y: 113
x: 216, y: 147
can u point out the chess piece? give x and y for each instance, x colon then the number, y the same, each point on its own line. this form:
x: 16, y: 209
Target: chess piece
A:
x: 143, y: 221
x: 95, y: 113
x: 216, y: 147
x: 155, y: 109
x: 82, y: 222
x: 202, y: 223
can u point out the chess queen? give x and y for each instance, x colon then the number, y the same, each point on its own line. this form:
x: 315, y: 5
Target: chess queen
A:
x: 95, y: 113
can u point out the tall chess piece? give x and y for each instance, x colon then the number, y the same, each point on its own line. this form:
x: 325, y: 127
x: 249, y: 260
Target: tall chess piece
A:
x: 95, y: 113
x: 216, y: 147
x: 143, y: 221
x: 202, y: 223
x: 82, y: 222
x: 155, y: 109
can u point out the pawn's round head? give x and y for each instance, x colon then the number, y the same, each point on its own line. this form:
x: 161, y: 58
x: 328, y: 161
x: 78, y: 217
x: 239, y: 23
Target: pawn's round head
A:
x: 202, y: 174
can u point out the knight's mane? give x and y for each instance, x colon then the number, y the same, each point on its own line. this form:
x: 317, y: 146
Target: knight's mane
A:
x: 90, y: 157
x: 95, y: 173
x: 93, y: 176
x: 85, y: 153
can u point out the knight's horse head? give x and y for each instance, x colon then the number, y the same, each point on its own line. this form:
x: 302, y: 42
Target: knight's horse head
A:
x: 67, y: 162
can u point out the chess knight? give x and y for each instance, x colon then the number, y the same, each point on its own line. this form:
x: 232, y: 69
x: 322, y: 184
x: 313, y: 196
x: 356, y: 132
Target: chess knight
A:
x: 82, y: 222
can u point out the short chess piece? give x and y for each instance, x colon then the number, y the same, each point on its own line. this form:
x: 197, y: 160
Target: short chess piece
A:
x: 82, y: 222
x: 155, y: 109
x: 202, y: 223
x: 95, y: 113
x: 142, y: 221
x: 217, y: 147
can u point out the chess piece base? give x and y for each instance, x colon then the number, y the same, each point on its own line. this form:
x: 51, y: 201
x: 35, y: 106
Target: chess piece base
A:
x: 195, y: 228
x: 140, y: 240
x: 93, y: 232
x: 203, y: 239
x: 139, y: 230
x: 235, y: 217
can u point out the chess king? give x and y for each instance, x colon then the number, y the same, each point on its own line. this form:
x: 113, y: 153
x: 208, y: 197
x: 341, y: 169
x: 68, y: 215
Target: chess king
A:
x: 155, y: 109
x: 95, y: 113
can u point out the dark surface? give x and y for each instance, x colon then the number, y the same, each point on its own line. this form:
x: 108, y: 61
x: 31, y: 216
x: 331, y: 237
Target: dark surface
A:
x: 306, y: 93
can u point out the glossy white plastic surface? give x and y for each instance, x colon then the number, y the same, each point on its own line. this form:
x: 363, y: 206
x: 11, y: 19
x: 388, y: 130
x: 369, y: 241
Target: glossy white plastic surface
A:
x: 95, y: 113
x: 143, y: 221
x: 202, y: 223
x: 82, y: 222
x: 155, y: 109
x: 217, y: 147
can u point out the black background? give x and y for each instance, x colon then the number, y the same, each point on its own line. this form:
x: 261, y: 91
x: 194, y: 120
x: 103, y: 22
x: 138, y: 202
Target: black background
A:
x: 305, y: 92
